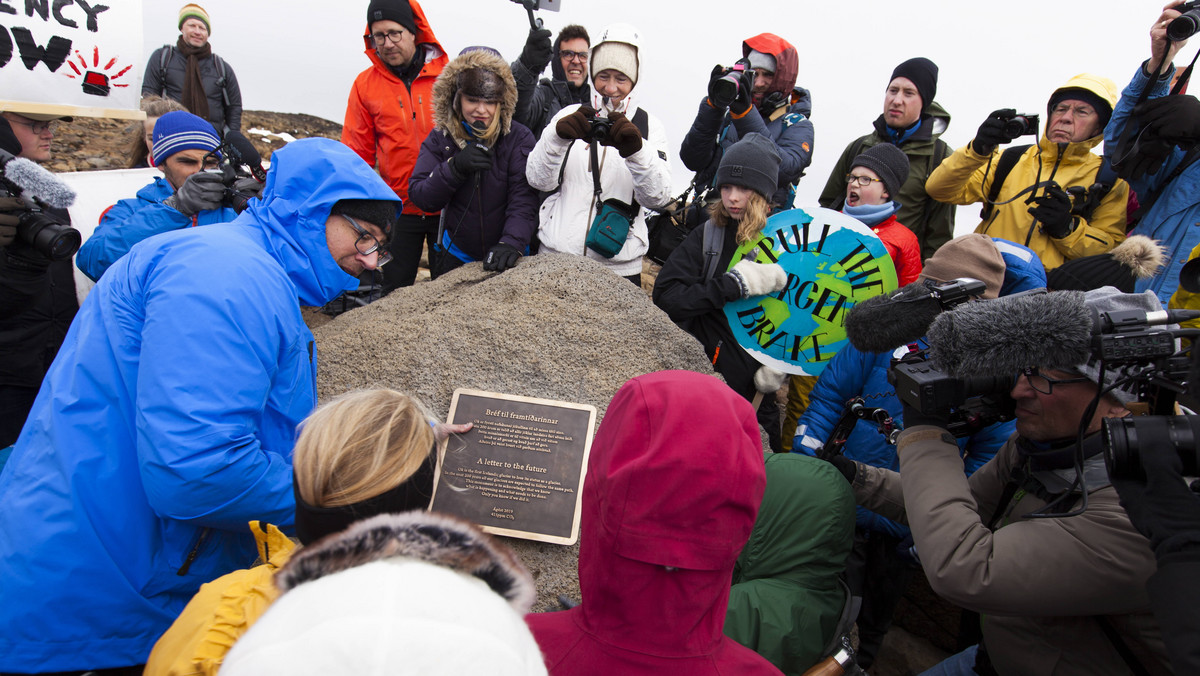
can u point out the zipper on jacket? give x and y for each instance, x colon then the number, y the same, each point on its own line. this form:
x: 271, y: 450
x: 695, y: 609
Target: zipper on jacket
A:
x: 191, y: 557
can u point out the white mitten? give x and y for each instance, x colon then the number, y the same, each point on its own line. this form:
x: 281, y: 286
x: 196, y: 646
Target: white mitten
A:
x: 757, y: 279
x: 768, y: 380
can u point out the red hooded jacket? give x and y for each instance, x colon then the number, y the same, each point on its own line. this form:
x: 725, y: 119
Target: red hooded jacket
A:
x: 787, y: 64
x: 673, y: 486
x: 385, y: 122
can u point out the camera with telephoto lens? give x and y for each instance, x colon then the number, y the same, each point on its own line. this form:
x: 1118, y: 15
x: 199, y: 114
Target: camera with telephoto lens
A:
x: 36, y: 227
x: 1021, y: 124
x: 1186, y: 24
x: 725, y: 90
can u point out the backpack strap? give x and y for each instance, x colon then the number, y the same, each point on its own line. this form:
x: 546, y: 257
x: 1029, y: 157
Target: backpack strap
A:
x: 222, y: 80
x: 642, y: 121
x: 164, y: 57
x: 1004, y: 166
x: 714, y: 242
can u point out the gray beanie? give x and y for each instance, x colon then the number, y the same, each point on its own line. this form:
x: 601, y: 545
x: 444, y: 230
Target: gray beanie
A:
x: 889, y: 162
x: 753, y: 163
x: 1109, y: 299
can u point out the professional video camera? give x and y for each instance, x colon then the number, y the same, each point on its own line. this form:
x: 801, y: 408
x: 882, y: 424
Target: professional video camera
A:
x: 237, y: 159
x: 38, y: 189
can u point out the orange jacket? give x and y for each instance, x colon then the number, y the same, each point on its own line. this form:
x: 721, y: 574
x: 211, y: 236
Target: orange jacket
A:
x: 385, y: 122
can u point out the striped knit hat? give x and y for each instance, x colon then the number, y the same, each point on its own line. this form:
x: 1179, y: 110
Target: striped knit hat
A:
x: 181, y: 130
x: 194, y: 11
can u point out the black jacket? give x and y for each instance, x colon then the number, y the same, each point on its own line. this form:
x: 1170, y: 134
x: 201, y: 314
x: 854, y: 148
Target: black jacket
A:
x: 539, y: 102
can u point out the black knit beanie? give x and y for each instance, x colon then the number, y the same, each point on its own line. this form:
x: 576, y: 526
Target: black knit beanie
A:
x: 1103, y: 109
x: 889, y: 162
x: 753, y: 163
x: 924, y: 74
x: 392, y: 10
x: 380, y: 213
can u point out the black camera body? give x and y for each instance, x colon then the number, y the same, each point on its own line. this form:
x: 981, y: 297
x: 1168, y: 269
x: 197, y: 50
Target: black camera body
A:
x: 233, y: 168
x: 601, y: 126
x: 969, y: 403
x: 1021, y: 124
x: 725, y: 90
x: 1187, y: 23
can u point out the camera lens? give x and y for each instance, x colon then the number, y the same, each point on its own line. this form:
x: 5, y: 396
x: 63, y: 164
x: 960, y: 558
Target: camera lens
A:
x: 53, y: 240
x: 1124, y: 437
x: 1184, y: 26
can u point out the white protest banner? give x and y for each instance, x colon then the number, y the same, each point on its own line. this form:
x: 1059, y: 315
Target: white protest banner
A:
x: 832, y: 262
x: 72, y: 57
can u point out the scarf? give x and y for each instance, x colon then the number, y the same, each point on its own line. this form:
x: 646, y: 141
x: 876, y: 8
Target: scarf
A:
x: 872, y: 215
x: 194, y: 98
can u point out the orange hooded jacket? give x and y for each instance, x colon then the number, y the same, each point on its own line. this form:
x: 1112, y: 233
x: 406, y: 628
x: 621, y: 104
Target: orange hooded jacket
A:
x: 385, y: 121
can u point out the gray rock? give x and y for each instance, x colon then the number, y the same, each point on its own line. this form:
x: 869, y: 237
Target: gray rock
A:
x: 556, y: 327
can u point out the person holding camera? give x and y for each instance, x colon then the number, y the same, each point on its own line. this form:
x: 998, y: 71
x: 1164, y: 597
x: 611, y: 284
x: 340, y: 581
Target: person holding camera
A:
x: 913, y: 122
x: 167, y: 421
x: 1063, y: 591
x: 186, y: 195
x: 539, y: 101
x: 37, y: 294
x: 757, y: 95
x: 1050, y: 196
x: 1161, y: 166
x: 602, y: 163
x: 472, y: 166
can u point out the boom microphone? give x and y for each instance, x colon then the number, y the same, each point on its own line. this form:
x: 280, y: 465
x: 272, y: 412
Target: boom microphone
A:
x: 244, y: 152
x: 884, y: 323
x: 35, y: 182
x: 1002, y: 336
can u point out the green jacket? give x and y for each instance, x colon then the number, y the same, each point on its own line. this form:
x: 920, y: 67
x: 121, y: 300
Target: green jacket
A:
x: 786, y: 599
x: 930, y: 220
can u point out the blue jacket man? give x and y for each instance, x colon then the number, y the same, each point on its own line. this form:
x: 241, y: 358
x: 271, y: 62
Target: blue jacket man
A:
x: 167, y: 421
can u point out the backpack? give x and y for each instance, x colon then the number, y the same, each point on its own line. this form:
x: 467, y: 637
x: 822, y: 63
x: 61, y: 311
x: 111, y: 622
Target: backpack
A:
x: 168, y: 52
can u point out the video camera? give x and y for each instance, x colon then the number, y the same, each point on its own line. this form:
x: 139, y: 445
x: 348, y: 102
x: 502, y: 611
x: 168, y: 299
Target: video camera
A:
x: 36, y: 227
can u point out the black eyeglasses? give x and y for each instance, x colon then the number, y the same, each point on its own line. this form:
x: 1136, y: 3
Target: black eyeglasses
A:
x: 861, y: 181
x: 38, y: 128
x: 380, y: 39
x: 366, y: 243
x: 1045, y: 384
x: 571, y: 56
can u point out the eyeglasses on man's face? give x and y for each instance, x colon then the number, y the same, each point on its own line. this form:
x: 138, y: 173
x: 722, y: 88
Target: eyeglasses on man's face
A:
x: 861, y: 181
x: 366, y: 244
x: 38, y: 128
x: 1044, y: 383
x: 568, y: 55
x: 380, y: 39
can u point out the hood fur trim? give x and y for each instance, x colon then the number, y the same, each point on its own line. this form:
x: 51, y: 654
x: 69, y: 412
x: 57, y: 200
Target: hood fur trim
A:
x: 428, y: 537
x: 446, y: 118
x: 1142, y: 255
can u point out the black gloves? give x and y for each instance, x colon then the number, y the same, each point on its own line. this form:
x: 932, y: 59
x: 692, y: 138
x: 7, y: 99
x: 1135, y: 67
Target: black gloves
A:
x: 846, y: 466
x: 10, y: 208
x: 1053, y: 210
x: 1173, y: 118
x: 202, y: 191
x: 501, y: 257
x: 1162, y: 508
x: 740, y: 103
x: 991, y: 132
x: 576, y: 125
x: 475, y: 157
x: 624, y: 135
x: 536, y: 54
x: 244, y: 190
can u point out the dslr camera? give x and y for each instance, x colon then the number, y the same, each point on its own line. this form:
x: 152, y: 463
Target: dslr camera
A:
x: 234, y: 163
x: 725, y: 90
x: 1186, y: 24
x: 1021, y: 124
x: 36, y: 227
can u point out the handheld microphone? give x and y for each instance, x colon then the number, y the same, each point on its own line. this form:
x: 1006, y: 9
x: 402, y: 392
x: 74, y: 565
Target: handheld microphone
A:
x: 885, y: 322
x: 244, y: 152
x: 35, y: 182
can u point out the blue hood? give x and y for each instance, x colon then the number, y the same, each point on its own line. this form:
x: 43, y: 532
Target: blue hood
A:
x: 306, y: 178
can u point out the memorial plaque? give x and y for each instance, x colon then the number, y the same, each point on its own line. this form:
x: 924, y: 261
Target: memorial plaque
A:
x: 519, y: 471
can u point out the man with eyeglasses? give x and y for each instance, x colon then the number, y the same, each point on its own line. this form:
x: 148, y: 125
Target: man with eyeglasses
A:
x: 168, y: 419
x: 538, y: 102
x: 37, y: 295
x: 1063, y: 592
x: 188, y: 194
x: 389, y: 114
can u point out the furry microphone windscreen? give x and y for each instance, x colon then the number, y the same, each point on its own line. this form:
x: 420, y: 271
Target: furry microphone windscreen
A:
x: 1002, y: 336
x: 35, y: 181
x: 885, y: 322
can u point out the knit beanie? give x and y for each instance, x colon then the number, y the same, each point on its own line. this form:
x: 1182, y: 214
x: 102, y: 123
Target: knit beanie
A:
x: 181, y: 130
x: 618, y: 50
x: 974, y: 256
x: 392, y: 10
x: 761, y: 61
x: 753, y: 163
x: 1103, y: 108
x: 1138, y: 257
x: 194, y: 11
x: 924, y: 74
x: 380, y: 213
x: 1109, y: 299
x: 888, y: 162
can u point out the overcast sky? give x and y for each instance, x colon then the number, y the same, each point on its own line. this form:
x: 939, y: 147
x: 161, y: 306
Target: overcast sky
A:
x: 301, y: 56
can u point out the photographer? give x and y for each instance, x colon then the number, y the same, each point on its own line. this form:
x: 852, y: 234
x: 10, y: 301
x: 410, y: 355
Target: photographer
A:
x: 767, y: 102
x: 37, y: 295
x: 1026, y: 190
x: 626, y: 145
x: 1062, y: 595
x: 186, y: 196
x: 1162, y: 168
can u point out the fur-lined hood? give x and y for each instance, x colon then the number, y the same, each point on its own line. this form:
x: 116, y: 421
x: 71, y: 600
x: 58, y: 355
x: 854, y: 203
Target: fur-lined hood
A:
x: 1142, y: 255
x: 428, y: 537
x: 446, y: 118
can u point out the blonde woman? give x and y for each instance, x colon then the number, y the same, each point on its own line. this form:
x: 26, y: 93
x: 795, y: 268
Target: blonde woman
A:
x: 693, y: 291
x: 364, y: 453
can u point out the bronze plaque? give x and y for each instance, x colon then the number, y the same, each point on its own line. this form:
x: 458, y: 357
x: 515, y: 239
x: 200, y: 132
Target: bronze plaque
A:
x: 519, y: 471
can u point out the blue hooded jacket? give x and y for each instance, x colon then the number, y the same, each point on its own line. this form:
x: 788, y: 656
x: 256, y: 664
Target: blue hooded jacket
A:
x: 167, y: 422
x: 129, y: 221
x: 853, y: 373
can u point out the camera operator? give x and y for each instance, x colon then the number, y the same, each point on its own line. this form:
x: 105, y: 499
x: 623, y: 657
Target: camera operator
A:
x: 1028, y: 192
x: 1062, y: 594
x: 185, y: 196
x: 767, y: 101
x: 1162, y: 168
x: 37, y: 295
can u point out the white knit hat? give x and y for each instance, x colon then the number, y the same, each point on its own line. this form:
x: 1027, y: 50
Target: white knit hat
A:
x: 617, y: 49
